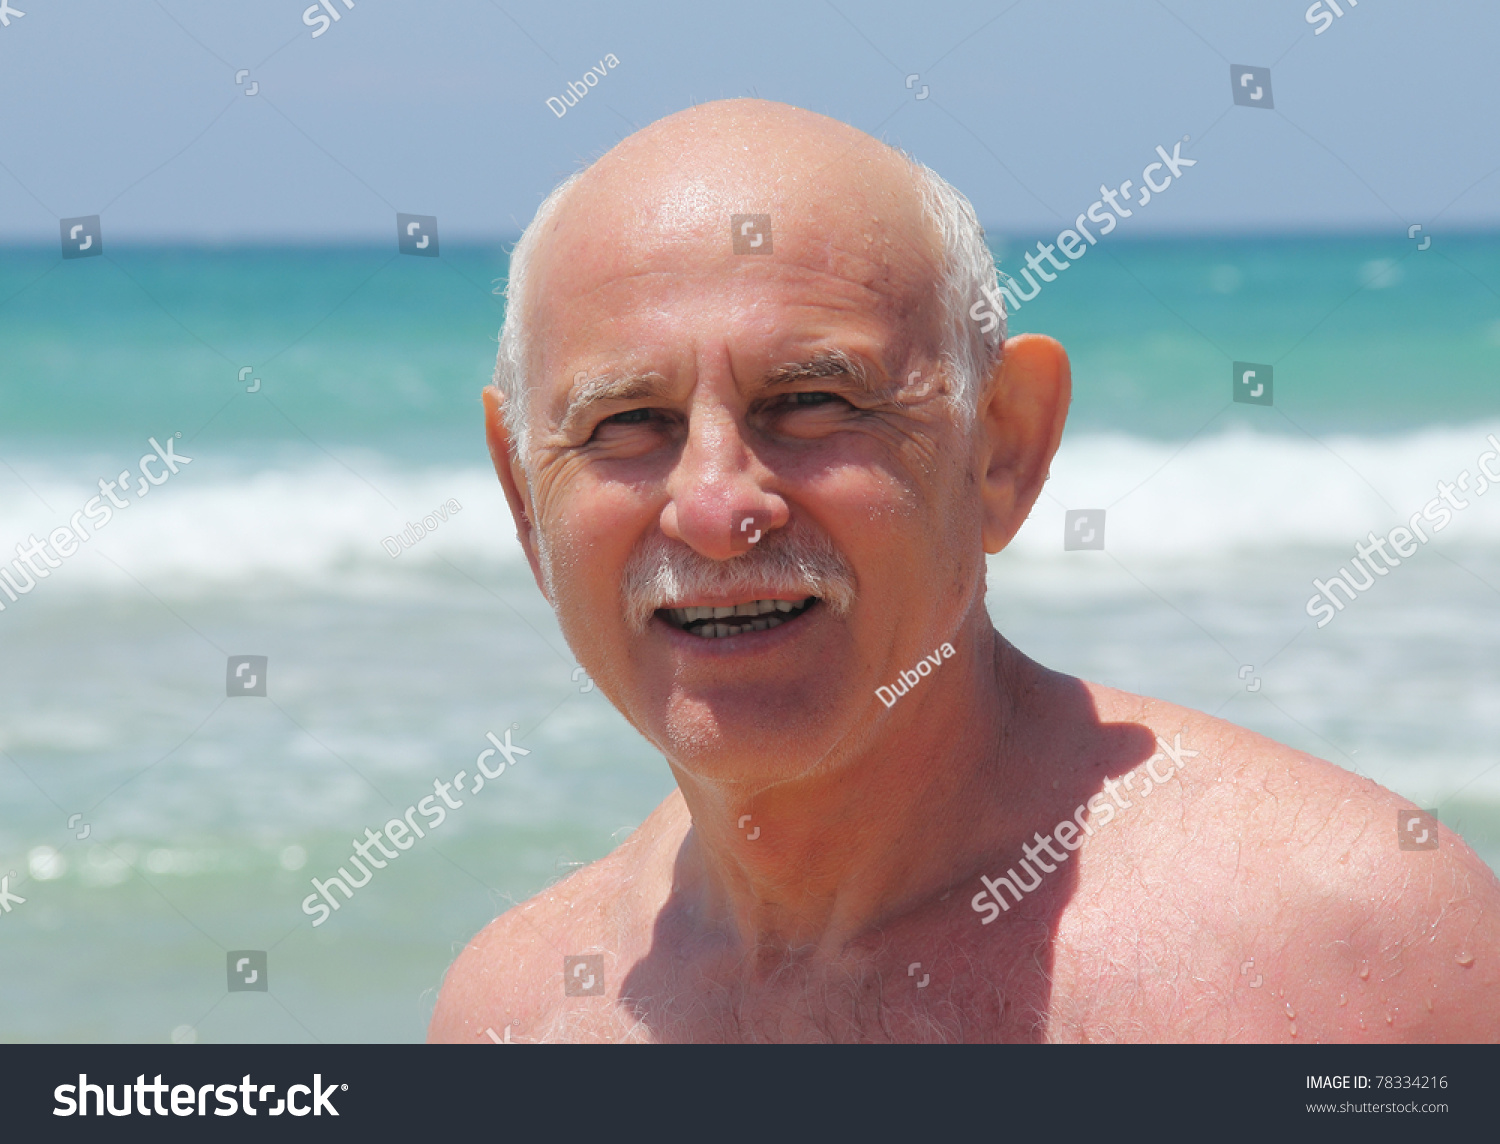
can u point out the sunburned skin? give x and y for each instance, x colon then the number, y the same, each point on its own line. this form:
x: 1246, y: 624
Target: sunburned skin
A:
x: 818, y: 874
x: 1259, y: 896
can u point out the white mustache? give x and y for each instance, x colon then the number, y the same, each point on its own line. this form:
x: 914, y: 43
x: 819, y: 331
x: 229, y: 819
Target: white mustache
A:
x: 661, y: 571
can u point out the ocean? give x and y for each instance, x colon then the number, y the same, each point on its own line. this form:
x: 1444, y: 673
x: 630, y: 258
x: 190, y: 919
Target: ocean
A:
x: 328, y: 398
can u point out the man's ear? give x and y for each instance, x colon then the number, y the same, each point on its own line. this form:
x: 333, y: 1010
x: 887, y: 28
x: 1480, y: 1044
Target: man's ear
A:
x: 1020, y: 421
x: 512, y: 477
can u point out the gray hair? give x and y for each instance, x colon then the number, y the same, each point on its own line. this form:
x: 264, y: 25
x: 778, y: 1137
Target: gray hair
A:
x: 968, y: 269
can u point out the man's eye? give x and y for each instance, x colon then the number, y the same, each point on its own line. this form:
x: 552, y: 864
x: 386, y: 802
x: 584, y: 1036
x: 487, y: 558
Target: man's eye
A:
x: 629, y: 417
x: 812, y: 398
x: 645, y: 418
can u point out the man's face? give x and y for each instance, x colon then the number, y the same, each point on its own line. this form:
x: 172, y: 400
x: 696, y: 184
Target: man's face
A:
x: 686, y: 397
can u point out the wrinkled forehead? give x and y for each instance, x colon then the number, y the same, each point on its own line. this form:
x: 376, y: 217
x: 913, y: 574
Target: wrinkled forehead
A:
x: 798, y: 206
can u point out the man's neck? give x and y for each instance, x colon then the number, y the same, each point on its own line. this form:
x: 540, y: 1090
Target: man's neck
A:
x: 893, y: 823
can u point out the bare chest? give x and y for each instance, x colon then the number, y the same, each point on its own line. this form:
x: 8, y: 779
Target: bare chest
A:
x: 1019, y: 984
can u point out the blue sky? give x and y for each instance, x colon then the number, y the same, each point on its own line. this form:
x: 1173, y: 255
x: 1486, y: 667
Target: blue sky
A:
x: 129, y: 109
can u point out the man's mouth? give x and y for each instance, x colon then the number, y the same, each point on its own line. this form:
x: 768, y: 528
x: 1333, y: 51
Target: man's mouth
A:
x: 734, y: 620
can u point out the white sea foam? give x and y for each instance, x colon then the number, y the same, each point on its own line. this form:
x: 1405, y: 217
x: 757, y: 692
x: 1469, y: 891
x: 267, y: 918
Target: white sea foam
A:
x: 317, y: 523
x: 1240, y: 492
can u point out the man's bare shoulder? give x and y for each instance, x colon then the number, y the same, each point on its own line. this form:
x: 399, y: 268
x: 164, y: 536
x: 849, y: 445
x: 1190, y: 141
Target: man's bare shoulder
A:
x: 1301, y: 865
x: 512, y: 974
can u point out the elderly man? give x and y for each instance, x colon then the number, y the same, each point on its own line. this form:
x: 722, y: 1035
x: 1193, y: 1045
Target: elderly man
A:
x: 756, y: 449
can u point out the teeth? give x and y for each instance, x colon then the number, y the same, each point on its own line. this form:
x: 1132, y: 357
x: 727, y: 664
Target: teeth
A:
x: 720, y: 631
x: 762, y: 614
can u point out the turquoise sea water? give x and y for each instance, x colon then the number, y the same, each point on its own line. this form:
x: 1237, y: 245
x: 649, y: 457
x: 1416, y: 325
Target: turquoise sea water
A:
x: 204, y: 817
x: 363, y: 347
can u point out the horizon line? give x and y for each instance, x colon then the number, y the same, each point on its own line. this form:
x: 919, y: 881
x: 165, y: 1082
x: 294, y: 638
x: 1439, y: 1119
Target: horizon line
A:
x: 992, y: 235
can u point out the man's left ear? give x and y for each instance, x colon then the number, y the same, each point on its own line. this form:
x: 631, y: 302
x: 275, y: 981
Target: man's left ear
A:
x: 1020, y: 421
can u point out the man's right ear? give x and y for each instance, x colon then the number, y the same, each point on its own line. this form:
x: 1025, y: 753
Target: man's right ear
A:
x: 512, y: 477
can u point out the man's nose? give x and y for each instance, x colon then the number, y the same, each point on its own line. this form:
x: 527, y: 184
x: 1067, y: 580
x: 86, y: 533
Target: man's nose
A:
x: 719, y: 498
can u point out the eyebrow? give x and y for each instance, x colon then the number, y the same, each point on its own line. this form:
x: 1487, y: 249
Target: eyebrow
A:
x: 591, y: 391
x: 825, y: 363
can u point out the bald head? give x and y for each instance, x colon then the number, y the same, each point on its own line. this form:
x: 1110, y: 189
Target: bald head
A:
x: 834, y: 195
x: 843, y: 208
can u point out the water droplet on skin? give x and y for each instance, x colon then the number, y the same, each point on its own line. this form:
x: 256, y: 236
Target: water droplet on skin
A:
x: 1343, y: 1000
x: 1294, y: 1028
x: 1429, y: 1004
x: 1364, y: 972
x: 1291, y: 1014
x: 1465, y: 959
x: 1390, y: 1020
